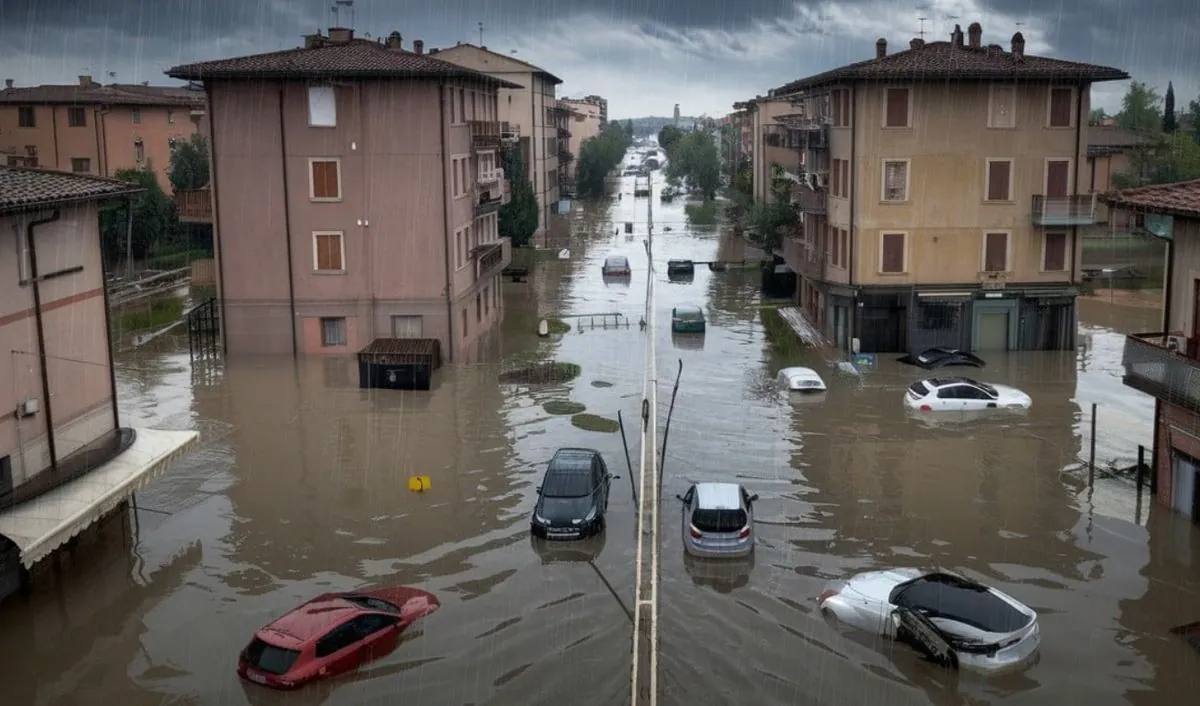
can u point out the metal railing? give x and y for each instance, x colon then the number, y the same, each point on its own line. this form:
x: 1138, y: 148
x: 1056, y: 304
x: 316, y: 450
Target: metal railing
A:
x: 484, y: 133
x: 492, y: 258
x: 1076, y: 210
x: 491, y: 176
x: 1158, y: 364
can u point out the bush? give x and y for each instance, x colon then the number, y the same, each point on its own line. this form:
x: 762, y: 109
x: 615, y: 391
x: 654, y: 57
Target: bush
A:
x: 149, y: 315
x: 563, y: 407
x: 541, y: 373
x: 593, y: 422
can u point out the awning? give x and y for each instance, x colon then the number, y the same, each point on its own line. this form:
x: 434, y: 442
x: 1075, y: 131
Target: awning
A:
x: 45, y: 523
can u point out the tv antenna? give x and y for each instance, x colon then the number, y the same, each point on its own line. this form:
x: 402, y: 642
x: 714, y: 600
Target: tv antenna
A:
x: 481, y: 34
x: 922, y: 20
x: 336, y: 10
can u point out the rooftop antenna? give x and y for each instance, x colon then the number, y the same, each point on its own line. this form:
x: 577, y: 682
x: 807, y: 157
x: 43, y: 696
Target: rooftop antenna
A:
x: 336, y: 9
x: 921, y: 33
x: 481, y: 34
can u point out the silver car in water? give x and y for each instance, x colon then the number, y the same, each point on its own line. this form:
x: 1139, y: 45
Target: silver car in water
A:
x: 951, y: 619
x: 718, y: 520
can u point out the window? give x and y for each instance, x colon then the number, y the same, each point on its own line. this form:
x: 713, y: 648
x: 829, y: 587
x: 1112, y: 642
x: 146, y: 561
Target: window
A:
x: 462, y: 169
x: 337, y: 639
x: 1054, y: 252
x: 459, y: 249
x: 322, y: 107
x: 457, y: 186
x: 139, y: 151
x: 995, y: 252
x: 895, y: 180
x: 939, y: 317
x: 839, y: 100
x: 897, y: 108
x: 462, y: 106
x: 1060, y: 113
x: 891, y: 253
x: 81, y: 165
x: 478, y: 307
x: 329, y: 252
x: 453, y: 114
x: 333, y: 331
x: 269, y: 658
x: 487, y: 301
x: 845, y: 247
x: 496, y: 294
x: 76, y: 117
x: 26, y: 116
x: 324, y: 180
x: 170, y: 116
x: 999, y: 180
x: 464, y: 322
x: 137, y: 116
x: 1002, y: 107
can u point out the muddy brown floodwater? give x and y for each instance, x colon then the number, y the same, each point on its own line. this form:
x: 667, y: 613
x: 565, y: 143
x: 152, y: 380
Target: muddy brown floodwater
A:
x: 301, y: 487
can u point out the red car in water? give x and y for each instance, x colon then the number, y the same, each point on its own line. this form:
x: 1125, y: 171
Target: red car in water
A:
x: 332, y: 634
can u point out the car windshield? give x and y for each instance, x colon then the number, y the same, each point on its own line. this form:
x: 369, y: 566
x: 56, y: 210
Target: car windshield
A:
x: 688, y: 313
x: 719, y: 520
x: 987, y: 388
x: 616, y: 262
x: 371, y: 603
x: 270, y: 659
x: 918, y: 388
x: 953, y: 598
x: 566, y: 484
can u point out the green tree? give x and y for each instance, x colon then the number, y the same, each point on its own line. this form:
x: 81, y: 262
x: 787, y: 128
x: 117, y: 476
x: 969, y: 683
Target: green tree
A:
x: 154, y: 219
x: 189, y: 164
x: 771, y: 220
x: 694, y: 158
x: 1139, y: 109
x: 1163, y: 160
x: 598, y: 156
x: 518, y: 219
x: 668, y: 136
x: 629, y: 129
x: 1169, y: 125
x: 1097, y: 116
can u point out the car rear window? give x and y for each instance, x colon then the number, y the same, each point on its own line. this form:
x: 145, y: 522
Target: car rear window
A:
x: 270, y: 659
x: 918, y: 388
x: 719, y: 520
x: 943, y: 596
x: 567, y: 484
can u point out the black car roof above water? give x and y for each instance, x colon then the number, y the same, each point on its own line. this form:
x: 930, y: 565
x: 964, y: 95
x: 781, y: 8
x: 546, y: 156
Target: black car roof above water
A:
x: 941, y: 595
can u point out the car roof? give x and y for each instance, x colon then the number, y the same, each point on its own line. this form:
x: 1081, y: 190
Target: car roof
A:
x: 309, y: 621
x: 943, y: 382
x: 688, y: 309
x: 612, y: 259
x: 572, y: 459
x: 718, y: 496
x: 801, y: 373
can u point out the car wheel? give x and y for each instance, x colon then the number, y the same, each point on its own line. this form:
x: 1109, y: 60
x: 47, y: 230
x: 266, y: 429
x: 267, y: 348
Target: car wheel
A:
x: 831, y: 619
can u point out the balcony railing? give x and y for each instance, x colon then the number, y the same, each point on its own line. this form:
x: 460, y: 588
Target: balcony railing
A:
x: 1077, y: 210
x: 564, y: 133
x: 484, y: 133
x: 1154, y: 366
x: 809, y: 201
x: 493, y: 176
x: 491, y: 258
x: 510, y: 132
x: 490, y: 200
x: 194, y: 205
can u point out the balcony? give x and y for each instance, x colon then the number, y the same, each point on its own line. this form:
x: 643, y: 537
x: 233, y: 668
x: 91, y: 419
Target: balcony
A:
x: 993, y: 279
x: 1077, y: 210
x: 490, y: 200
x: 510, y: 132
x: 484, y: 133
x: 490, y: 177
x: 1153, y: 366
x: 564, y: 155
x: 809, y: 201
x: 491, y: 258
x: 564, y: 133
x: 194, y: 205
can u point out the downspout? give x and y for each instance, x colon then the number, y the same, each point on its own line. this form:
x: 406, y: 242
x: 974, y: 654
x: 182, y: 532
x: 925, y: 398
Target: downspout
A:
x: 444, y: 90
x: 212, y: 195
x: 1166, y: 327
x: 99, y: 149
x: 852, y: 246
x: 112, y: 369
x: 287, y: 223
x: 41, y: 332
x: 534, y: 136
x: 1079, y: 122
x: 54, y: 132
x: 364, y: 234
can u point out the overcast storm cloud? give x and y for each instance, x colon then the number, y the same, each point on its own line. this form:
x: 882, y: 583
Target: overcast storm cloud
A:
x: 643, y: 55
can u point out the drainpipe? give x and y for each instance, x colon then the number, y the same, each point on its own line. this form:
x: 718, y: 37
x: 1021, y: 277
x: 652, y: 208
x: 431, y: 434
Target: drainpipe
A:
x: 853, y: 318
x: 101, y: 166
x: 112, y: 369
x: 444, y: 89
x: 54, y: 133
x: 41, y: 331
x: 1079, y: 123
x: 365, y: 205
x: 1158, y: 404
x: 216, y: 229
x: 287, y: 222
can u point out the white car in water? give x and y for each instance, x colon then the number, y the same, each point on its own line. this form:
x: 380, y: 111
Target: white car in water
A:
x: 953, y: 620
x: 958, y: 394
x: 800, y: 380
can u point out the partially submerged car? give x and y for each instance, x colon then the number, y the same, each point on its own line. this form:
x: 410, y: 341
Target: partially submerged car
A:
x: 718, y: 520
x: 616, y: 266
x: 940, y: 357
x: 959, y: 394
x: 803, y: 380
x: 573, y: 496
x: 331, y: 634
x: 953, y: 620
x: 678, y: 269
x: 687, y: 319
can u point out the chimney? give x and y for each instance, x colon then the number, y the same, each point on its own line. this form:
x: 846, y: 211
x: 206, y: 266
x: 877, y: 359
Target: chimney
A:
x: 340, y: 35
x: 418, y: 46
x: 312, y: 41
x: 395, y: 42
x: 880, y: 48
x: 434, y: 50
x: 1018, y: 46
x: 916, y: 43
x: 956, y: 37
x: 975, y: 35
x: 85, y: 81
x: 8, y: 83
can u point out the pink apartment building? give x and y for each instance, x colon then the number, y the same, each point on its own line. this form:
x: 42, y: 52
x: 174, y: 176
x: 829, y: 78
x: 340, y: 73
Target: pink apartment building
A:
x: 355, y: 193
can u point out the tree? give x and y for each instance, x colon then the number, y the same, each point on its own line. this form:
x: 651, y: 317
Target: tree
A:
x: 189, y: 164
x: 629, y: 129
x: 1163, y: 160
x: 154, y: 219
x: 694, y: 159
x: 598, y: 156
x: 518, y: 219
x: 1139, y: 109
x: 1097, y: 116
x: 668, y: 136
x: 1168, y: 124
x: 768, y: 221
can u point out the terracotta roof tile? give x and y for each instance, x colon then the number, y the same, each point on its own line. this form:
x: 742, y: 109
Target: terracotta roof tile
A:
x: 357, y: 58
x: 1179, y: 199
x: 22, y: 189
x: 105, y: 95
x: 945, y: 62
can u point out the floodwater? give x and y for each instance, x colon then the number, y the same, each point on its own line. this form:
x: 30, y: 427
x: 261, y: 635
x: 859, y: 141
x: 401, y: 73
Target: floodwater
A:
x: 301, y: 487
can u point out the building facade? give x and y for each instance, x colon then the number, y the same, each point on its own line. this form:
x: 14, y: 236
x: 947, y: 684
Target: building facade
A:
x: 528, y: 113
x: 942, y: 194
x: 98, y: 130
x: 356, y: 190
x: 563, y: 120
x: 587, y: 119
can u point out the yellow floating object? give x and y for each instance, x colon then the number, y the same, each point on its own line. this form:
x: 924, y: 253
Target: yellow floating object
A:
x: 418, y: 484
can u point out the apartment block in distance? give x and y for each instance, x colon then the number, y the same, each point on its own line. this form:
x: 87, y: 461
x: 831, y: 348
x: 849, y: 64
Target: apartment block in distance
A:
x: 356, y: 188
x: 527, y: 112
x: 92, y: 129
x: 65, y: 459
x: 943, y: 195
x: 586, y: 121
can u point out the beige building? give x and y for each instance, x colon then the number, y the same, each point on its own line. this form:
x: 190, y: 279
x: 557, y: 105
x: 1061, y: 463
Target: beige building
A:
x: 587, y: 119
x: 93, y: 129
x: 942, y: 193
x: 527, y: 111
x: 356, y: 190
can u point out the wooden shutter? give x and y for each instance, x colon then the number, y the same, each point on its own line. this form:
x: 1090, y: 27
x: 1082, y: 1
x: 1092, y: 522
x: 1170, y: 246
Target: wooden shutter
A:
x: 999, y: 174
x: 325, y: 180
x: 995, y: 252
x: 329, y: 251
x: 893, y: 252
x: 1058, y: 178
x: 1055, y: 258
x: 897, y: 107
x: 1060, y: 107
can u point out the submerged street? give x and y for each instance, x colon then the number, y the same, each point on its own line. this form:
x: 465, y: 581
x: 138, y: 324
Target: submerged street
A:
x: 301, y: 487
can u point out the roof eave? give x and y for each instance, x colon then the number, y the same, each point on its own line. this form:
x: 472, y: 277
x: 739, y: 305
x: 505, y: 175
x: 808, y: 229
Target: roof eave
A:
x: 31, y: 206
x: 187, y: 74
x: 942, y: 75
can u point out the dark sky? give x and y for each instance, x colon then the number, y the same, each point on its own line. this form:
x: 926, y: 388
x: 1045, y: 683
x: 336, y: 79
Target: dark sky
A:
x: 644, y: 55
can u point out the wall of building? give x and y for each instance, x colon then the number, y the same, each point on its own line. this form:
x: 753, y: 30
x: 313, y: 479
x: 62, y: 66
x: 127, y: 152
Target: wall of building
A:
x: 584, y: 124
x: 74, y: 323
x: 764, y: 113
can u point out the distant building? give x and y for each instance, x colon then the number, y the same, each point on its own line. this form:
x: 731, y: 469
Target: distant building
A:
x: 676, y: 114
x: 586, y: 121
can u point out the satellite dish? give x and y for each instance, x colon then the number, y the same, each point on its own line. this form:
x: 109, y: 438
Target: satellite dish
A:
x: 564, y: 254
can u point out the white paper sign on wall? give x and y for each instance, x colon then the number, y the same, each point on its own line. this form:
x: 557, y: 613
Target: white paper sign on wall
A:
x: 564, y: 254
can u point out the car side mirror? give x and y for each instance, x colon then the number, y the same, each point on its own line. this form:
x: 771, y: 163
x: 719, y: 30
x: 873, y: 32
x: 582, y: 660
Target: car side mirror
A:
x: 539, y: 490
x: 679, y: 497
x: 612, y: 476
x: 753, y: 497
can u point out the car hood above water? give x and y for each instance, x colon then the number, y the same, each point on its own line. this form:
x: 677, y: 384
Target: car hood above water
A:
x: 561, y: 510
x: 878, y: 585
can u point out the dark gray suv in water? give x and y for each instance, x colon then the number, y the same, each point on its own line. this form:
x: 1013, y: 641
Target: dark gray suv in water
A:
x: 573, y: 496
